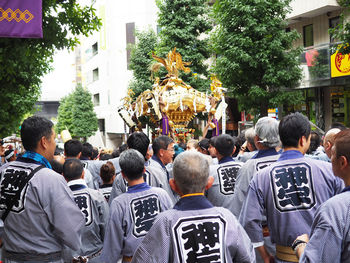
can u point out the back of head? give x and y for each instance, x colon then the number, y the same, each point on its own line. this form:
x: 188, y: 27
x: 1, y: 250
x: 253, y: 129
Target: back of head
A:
x: 338, y: 125
x: 94, y: 153
x: 161, y: 142
x: 33, y: 129
x: 72, y: 148
x: 56, y: 166
x: 212, y: 141
x: 292, y: 128
x: 182, y: 145
x: 267, y: 130
x: 191, y: 172
x: 105, y: 156
x: 192, y: 144
x: 315, y: 142
x: 132, y: 164
x: 122, y: 147
x: 87, y: 150
x: 249, y: 136
x: 138, y: 141
x: 330, y: 135
x: 107, y: 171
x: 225, y: 144
x: 342, y: 144
x: 72, y: 169
x: 204, y: 144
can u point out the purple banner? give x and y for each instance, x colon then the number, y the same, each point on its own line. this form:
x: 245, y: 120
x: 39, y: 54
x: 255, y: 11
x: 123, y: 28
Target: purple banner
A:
x: 21, y: 18
x: 215, y: 131
x: 165, y: 125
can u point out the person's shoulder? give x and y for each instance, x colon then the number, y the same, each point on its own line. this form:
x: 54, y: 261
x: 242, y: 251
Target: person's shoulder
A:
x: 95, y: 194
x: 48, y: 174
x: 157, y: 190
x: 335, y: 209
x: 225, y: 212
x: 337, y: 201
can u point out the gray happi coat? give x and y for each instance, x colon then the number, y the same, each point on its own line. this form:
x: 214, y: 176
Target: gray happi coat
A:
x: 195, y: 229
x: 38, y: 223
x: 96, y: 211
x: 222, y: 190
x: 290, y: 190
x: 132, y: 215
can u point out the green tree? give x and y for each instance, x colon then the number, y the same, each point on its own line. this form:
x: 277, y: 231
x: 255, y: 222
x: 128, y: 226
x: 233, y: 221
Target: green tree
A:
x: 256, y: 60
x: 341, y: 32
x: 76, y: 113
x: 85, y: 122
x: 65, y: 115
x: 25, y: 61
x: 184, y: 25
x: 141, y: 60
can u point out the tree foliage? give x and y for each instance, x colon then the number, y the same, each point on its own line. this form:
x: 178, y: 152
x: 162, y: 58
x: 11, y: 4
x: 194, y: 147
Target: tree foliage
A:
x: 255, y: 57
x: 25, y: 61
x: 342, y: 31
x: 65, y: 114
x: 76, y: 113
x: 141, y: 60
x: 185, y: 25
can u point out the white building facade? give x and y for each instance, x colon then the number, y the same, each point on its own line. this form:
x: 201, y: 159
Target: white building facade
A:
x: 104, y: 62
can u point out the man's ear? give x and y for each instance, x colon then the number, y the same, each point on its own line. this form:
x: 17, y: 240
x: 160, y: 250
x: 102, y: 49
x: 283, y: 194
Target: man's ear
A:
x: 210, y: 182
x: 343, y: 162
x: 79, y: 155
x: 123, y: 174
x: 43, y: 142
x: 174, y: 186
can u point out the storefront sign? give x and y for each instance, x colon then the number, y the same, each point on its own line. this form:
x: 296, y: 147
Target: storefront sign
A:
x: 340, y: 64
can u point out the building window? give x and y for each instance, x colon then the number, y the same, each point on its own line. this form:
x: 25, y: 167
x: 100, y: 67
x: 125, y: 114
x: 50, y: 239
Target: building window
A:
x: 94, y: 49
x: 308, y: 34
x: 333, y: 22
x: 97, y: 99
x: 101, y: 126
x: 95, y: 74
x: 130, y: 39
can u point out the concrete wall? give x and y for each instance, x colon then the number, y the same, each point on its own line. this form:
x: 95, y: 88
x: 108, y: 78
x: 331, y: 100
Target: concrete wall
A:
x: 309, y: 8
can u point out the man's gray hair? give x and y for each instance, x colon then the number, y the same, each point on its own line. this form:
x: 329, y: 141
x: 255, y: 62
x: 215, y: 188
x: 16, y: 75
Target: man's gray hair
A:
x: 249, y: 136
x: 132, y: 163
x: 191, y: 172
x: 267, y: 130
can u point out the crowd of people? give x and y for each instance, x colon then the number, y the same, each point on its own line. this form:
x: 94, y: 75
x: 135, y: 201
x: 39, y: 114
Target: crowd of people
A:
x: 278, y: 192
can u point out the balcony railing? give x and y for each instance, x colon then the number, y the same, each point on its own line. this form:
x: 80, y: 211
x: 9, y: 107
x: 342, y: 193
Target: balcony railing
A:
x: 316, y: 65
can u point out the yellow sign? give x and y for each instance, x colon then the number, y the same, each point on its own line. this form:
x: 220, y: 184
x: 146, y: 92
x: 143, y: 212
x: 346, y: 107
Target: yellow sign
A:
x: 340, y: 65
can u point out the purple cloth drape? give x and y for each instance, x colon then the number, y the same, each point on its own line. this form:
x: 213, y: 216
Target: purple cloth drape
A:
x: 216, y: 129
x: 165, y: 125
x: 21, y: 18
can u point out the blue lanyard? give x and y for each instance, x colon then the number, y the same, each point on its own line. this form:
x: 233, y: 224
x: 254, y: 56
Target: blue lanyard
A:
x: 37, y: 157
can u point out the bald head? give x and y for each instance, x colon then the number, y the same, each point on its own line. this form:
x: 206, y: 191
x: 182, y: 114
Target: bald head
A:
x: 328, y: 140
